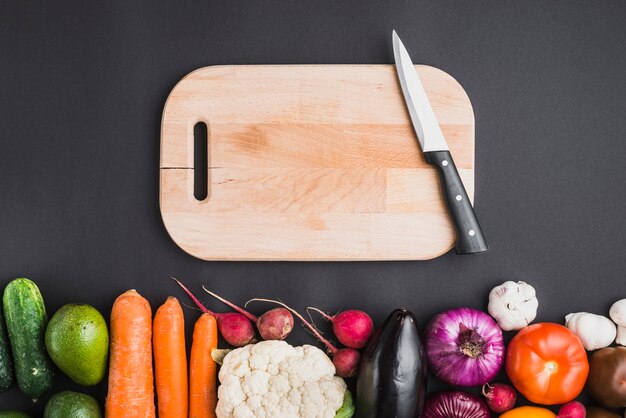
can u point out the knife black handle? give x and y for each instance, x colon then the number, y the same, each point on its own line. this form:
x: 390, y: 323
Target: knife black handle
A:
x: 470, y: 236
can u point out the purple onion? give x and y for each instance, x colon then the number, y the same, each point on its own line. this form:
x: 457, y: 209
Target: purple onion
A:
x: 464, y: 347
x: 455, y: 404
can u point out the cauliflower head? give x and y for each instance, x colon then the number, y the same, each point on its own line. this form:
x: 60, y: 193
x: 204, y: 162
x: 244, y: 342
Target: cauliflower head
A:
x: 273, y: 379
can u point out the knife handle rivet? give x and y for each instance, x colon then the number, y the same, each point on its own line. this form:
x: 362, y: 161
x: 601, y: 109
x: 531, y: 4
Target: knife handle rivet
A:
x: 458, y: 197
x: 444, y: 163
x: 471, y: 232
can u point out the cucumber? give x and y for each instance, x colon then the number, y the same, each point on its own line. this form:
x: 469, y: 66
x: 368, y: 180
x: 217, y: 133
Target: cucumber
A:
x: 13, y: 414
x: 6, y: 365
x: 26, y: 319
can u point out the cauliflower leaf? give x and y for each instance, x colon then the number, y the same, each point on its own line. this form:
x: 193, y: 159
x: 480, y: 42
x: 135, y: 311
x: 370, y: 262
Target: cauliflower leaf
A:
x: 347, y: 409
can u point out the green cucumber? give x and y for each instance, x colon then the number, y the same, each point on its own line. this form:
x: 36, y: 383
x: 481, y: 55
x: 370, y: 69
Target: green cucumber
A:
x: 26, y: 319
x: 6, y: 365
x: 13, y: 414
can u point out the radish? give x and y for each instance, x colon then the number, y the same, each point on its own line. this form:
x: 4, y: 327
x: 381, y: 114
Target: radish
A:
x: 353, y: 328
x: 572, y: 410
x: 500, y: 397
x: 234, y: 327
x: 275, y: 324
x: 346, y: 360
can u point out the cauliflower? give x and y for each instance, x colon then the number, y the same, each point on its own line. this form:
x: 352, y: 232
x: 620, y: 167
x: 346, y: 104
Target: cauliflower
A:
x: 272, y: 379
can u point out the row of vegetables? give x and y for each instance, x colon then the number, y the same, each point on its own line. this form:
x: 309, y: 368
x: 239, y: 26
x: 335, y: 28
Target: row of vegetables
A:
x: 147, y: 357
x: 547, y: 363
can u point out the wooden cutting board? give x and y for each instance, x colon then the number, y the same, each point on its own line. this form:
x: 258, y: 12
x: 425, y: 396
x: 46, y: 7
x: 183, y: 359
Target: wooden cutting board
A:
x: 309, y: 162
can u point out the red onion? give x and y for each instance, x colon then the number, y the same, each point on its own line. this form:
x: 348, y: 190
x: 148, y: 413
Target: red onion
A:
x: 464, y: 347
x: 455, y: 405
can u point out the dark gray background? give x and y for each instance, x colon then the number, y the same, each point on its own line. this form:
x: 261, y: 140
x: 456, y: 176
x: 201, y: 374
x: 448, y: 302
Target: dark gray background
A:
x: 82, y: 87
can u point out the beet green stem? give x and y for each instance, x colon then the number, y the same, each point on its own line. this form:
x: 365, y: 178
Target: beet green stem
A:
x: 232, y: 305
x: 194, y: 299
x: 311, y: 328
x: 324, y: 314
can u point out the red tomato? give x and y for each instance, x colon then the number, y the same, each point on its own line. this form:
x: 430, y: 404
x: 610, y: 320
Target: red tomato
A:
x: 547, y: 363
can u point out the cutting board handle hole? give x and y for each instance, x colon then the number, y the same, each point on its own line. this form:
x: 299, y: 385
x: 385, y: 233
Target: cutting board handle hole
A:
x: 200, y: 161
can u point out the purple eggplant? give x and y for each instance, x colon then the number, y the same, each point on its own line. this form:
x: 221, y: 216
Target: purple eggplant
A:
x: 392, y: 376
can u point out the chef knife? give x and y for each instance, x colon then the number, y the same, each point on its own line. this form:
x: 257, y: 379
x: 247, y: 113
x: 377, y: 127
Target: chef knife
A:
x: 470, y: 236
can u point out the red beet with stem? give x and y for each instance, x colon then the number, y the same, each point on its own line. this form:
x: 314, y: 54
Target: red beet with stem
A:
x: 235, y: 328
x: 353, y: 328
x: 499, y: 397
x: 275, y: 324
x: 346, y: 360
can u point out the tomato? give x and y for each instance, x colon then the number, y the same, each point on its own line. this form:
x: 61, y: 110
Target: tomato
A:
x: 607, y: 374
x: 528, y: 412
x: 547, y: 363
x: 597, y: 412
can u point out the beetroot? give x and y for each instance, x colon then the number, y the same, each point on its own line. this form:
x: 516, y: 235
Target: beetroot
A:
x: 346, y: 360
x: 572, y: 410
x: 500, y: 397
x: 275, y: 324
x: 353, y: 328
x: 235, y: 328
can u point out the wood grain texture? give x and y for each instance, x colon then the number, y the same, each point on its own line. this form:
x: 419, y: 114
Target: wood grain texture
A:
x: 310, y: 162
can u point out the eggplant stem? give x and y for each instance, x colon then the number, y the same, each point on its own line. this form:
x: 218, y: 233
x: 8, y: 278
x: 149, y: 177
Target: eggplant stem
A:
x: 311, y: 328
x: 193, y: 298
x: 245, y: 313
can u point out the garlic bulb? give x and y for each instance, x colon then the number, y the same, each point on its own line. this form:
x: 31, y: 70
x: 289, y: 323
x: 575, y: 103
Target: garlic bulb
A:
x: 513, y: 305
x: 618, y: 315
x: 595, y: 331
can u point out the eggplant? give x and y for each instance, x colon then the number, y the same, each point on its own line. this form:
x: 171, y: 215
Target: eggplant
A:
x: 392, y: 376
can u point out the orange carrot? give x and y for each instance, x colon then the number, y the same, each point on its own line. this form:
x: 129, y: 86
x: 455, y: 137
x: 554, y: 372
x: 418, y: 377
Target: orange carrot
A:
x: 170, y: 360
x: 131, y: 384
x: 202, y: 369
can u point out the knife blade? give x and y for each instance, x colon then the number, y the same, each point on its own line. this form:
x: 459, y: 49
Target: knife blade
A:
x: 470, y: 237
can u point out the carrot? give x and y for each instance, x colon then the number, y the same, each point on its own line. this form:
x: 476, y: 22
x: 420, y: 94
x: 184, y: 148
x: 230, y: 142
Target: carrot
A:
x: 131, y: 390
x: 202, y: 369
x: 170, y: 360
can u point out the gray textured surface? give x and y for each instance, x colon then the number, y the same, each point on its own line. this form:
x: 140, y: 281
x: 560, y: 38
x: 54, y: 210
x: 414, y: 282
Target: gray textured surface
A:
x: 82, y: 86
